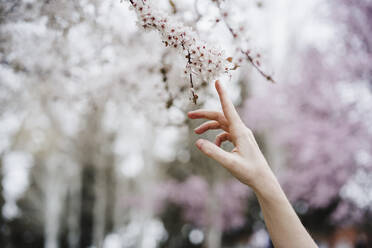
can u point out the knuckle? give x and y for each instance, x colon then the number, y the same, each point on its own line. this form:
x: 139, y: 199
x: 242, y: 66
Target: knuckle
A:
x: 213, y: 124
x: 219, y: 118
x: 225, y: 127
x: 207, y: 150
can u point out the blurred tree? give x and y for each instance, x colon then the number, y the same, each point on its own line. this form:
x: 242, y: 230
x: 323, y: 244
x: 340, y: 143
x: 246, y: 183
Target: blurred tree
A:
x: 320, y: 119
x: 355, y: 18
x: 97, y: 103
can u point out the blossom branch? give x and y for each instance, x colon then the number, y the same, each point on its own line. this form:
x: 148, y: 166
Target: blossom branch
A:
x: 205, y: 61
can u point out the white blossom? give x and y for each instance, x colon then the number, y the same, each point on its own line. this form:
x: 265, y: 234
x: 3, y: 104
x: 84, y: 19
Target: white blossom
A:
x: 203, y: 60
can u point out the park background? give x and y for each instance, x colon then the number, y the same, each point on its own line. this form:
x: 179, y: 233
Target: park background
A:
x: 96, y: 149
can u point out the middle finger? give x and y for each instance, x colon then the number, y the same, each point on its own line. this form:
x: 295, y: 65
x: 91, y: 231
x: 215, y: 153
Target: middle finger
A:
x: 207, y: 114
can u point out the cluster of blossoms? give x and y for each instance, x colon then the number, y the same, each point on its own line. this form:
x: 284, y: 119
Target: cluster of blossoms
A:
x: 203, y: 61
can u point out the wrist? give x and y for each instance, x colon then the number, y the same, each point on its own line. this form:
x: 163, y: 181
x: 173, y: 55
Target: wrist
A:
x: 266, y: 184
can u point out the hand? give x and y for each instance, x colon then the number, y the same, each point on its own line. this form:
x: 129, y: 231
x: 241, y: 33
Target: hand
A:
x: 245, y: 161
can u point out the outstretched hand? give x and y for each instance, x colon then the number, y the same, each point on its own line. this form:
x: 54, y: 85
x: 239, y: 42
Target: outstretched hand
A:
x: 245, y: 161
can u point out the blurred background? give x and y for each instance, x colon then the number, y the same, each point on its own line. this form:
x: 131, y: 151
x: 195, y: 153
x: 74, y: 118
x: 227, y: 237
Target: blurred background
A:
x: 96, y: 149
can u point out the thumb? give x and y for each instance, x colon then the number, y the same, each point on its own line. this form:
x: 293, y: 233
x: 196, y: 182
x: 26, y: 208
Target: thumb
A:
x: 215, y: 152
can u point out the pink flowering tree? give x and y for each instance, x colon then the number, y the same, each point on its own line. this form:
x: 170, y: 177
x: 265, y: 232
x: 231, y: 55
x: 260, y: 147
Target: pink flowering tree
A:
x: 320, y: 123
x: 356, y: 17
x: 193, y: 195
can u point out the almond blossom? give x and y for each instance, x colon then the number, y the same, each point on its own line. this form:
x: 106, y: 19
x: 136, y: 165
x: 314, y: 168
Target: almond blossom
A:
x: 204, y: 61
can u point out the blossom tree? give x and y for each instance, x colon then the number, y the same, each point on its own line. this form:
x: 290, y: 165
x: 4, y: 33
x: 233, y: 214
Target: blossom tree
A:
x: 320, y: 121
x: 356, y: 17
x: 88, y: 101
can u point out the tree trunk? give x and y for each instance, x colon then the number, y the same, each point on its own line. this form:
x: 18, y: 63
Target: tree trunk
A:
x: 214, y: 232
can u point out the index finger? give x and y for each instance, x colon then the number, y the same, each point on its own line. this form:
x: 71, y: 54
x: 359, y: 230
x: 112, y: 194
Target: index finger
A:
x: 227, y: 106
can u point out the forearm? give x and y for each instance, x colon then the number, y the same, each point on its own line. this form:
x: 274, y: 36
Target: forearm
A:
x: 283, y: 224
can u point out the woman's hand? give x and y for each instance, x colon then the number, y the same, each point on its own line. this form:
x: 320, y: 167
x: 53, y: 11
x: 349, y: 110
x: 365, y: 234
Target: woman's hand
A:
x: 245, y: 161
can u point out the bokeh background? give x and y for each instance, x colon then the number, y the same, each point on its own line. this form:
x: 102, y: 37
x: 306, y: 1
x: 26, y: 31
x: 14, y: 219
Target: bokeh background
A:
x: 96, y: 149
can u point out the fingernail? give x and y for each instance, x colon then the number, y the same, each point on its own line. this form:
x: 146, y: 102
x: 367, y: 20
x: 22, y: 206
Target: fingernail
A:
x: 191, y: 114
x: 217, y: 84
x: 196, y: 130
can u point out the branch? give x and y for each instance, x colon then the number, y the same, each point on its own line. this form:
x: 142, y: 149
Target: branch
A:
x: 194, y: 95
x: 246, y: 53
x: 250, y: 59
x: 204, y: 61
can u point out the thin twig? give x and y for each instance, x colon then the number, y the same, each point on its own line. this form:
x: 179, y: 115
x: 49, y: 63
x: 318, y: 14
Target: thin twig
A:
x: 250, y: 59
x: 173, y: 5
x: 194, y: 96
x: 246, y: 53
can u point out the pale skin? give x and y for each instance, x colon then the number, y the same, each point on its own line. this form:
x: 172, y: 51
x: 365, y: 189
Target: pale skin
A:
x: 247, y: 163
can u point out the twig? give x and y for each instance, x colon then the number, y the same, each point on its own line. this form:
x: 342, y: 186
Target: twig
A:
x: 194, y: 95
x: 250, y: 59
x: 246, y: 53
x: 173, y: 5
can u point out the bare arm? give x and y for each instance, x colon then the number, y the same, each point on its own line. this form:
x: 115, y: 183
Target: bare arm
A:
x: 247, y: 163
